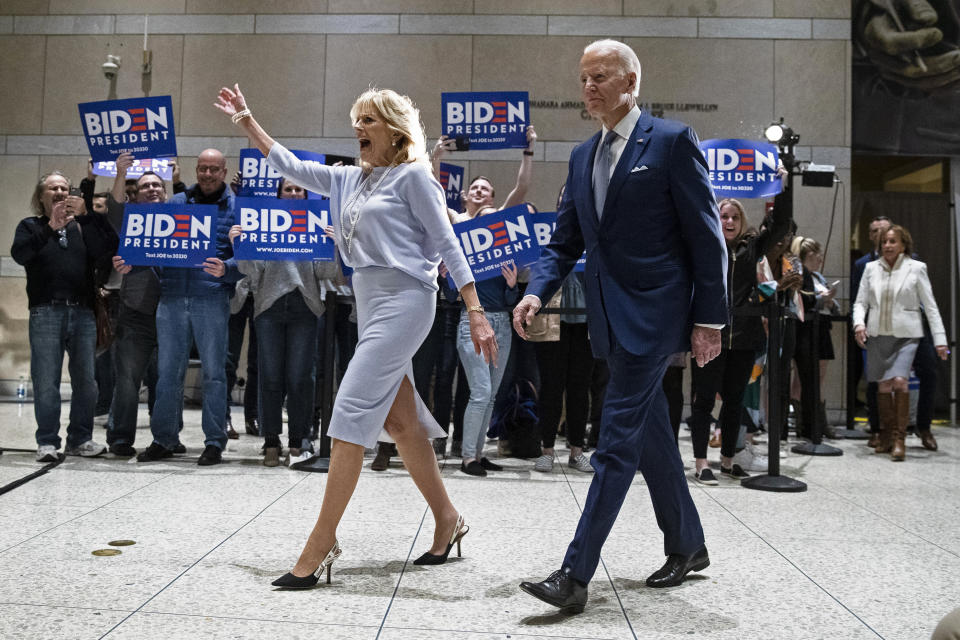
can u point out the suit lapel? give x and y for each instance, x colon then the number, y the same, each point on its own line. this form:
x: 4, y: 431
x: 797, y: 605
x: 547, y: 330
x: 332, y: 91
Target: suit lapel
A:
x: 899, y: 276
x: 634, y: 149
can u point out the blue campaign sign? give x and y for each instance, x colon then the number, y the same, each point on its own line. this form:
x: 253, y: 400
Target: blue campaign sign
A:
x: 160, y: 166
x: 141, y: 126
x: 275, y: 229
x: 742, y: 168
x: 259, y: 179
x: 544, y: 223
x: 168, y: 235
x: 486, y: 119
x: 451, y: 179
x: 496, y: 239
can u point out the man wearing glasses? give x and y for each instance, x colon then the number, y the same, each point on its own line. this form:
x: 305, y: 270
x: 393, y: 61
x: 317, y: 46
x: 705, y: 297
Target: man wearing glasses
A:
x: 58, y: 247
x: 194, y: 307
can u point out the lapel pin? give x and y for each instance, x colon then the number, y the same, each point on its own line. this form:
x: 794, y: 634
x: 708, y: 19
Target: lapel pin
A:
x: 639, y: 140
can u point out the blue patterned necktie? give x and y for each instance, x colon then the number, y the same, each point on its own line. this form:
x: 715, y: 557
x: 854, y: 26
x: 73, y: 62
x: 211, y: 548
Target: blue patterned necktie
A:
x: 601, y: 171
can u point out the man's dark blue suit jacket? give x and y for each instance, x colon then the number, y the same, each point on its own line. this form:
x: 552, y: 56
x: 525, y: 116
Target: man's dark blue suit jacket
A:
x: 656, y: 258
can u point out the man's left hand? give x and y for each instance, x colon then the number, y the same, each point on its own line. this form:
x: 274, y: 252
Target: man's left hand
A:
x: 705, y: 344
x: 216, y: 268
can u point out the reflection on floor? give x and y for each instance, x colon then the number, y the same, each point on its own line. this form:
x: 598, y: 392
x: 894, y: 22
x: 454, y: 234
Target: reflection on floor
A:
x: 871, y: 549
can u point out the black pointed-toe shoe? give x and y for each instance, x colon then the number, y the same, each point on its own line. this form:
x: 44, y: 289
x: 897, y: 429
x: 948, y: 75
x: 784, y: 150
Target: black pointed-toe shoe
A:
x: 459, y: 530
x: 677, y: 567
x: 560, y: 590
x: 290, y: 581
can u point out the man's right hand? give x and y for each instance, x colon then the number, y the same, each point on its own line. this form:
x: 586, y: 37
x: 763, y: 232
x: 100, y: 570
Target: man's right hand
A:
x: 523, y: 314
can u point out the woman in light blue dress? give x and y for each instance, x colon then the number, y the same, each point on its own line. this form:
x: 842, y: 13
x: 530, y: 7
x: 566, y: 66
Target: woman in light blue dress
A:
x: 390, y: 225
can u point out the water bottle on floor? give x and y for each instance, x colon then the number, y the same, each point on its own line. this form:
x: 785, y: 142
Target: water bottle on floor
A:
x: 22, y: 390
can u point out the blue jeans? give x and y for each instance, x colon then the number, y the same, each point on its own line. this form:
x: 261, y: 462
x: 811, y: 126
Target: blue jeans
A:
x: 134, y: 345
x: 484, y: 380
x: 55, y: 329
x: 204, y: 319
x: 287, y: 338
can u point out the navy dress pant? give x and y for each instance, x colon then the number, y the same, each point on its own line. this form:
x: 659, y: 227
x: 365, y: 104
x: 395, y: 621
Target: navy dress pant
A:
x: 635, y: 433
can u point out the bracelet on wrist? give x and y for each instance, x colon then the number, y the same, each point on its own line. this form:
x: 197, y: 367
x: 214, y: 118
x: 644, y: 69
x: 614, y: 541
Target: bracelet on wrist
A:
x: 477, y: 308
x: 527, y: 152
x: 240, y: 115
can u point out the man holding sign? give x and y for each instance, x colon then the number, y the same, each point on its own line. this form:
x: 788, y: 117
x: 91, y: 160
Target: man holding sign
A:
x: 638, y: 199
x: 195, y: 303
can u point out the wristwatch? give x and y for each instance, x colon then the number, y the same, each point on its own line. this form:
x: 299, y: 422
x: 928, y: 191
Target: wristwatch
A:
x: 477, y: 308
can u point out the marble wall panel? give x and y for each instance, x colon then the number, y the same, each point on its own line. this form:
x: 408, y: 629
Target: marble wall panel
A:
x: 23, y: 7
x: 811, y: 9
x: 6, y: 24
x: 693, y: 8
x: 18, y: 175
x: 187, y: 24
x: 468, y: 25
x: 153, y: 7
x: 14, y: 330
x: 281, y: 76
x: 604, y: 27
x: 418, y: 66
x: 21, y: 71
x: 336, y: 23
x: 55, y: 25
x: 734, y: 75
x: 550, y: 7
x: 547, y: 68
x: 256, y: 6
x: 761, y: 28
x: 403, y: 6
x: 72, y: 74
x: 810, y: 89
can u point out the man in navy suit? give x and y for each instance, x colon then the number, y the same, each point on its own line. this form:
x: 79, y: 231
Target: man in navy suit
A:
x: 638, y: 200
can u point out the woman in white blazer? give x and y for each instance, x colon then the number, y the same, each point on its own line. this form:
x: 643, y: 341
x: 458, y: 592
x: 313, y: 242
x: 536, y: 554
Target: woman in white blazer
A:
x: 888, y: 323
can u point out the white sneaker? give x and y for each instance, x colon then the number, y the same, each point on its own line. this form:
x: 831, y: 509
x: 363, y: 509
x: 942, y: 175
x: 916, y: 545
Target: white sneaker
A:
x: 751, y: 458
x: 88, y: 449
x: 580, y: 463
x: 544, y: 463
x: 47, y: 453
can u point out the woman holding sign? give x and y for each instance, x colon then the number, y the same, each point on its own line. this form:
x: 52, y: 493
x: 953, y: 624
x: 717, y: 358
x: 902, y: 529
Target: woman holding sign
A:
x: 389, y: 220
x: 288, y: 300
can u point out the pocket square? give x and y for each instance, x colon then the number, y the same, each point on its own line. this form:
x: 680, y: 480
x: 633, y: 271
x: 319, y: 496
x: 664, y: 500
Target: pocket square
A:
x: 640, y: 168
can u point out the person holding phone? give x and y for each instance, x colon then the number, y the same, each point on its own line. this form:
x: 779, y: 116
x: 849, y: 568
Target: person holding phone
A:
x: 818, y: 298
x: 58, y: 247
x: 480, y: 192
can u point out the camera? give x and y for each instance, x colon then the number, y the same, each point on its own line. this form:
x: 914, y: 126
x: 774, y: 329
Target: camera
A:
x: 111, y: 67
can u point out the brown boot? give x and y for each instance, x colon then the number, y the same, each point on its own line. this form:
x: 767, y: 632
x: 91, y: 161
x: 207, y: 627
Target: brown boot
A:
x: 887, y: 419
x: 927, y: 440
x: 874, y: 439
x: 901, y: 401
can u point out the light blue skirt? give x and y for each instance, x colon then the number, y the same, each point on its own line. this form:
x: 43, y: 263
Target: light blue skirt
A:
x: 395, y: 312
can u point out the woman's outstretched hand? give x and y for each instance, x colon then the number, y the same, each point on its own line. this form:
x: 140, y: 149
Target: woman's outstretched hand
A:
x: 230, y: 101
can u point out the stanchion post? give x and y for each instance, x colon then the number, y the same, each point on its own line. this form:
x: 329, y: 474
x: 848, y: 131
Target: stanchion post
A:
x: 772, y: 480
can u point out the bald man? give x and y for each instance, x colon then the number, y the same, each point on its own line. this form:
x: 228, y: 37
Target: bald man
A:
x: 195, y: 307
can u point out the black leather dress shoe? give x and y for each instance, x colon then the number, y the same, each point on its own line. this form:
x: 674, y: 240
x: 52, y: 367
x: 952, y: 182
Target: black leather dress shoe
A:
x: 677, y: 567
x: 560, y: 590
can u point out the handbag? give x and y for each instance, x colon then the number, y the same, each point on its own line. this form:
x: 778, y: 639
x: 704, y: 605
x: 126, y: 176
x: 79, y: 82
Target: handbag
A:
x: 518, y: 420
x: 106, y: 332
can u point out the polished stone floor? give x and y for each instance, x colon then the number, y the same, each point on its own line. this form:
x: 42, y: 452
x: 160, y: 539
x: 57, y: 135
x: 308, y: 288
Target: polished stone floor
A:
x: 870, y: 550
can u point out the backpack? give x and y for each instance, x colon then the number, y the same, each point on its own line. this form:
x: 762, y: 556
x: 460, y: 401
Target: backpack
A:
x: 517, y: 421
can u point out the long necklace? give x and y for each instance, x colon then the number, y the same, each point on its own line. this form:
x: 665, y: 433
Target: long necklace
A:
x: 354, y: 207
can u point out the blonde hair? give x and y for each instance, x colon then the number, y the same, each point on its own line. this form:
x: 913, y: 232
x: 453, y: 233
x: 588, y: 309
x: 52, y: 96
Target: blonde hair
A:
x: 806, y: 247
x: 402, y: 118
x: 736, y: 204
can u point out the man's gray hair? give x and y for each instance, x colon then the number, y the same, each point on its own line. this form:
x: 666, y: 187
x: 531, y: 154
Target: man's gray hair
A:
x: 626, y: 57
